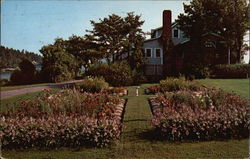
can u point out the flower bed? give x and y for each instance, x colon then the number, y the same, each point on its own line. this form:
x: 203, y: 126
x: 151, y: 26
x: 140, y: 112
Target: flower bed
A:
x: 68, y: 118
x: 120, y: 91
x: 173, y: 84
x: 201, y: 115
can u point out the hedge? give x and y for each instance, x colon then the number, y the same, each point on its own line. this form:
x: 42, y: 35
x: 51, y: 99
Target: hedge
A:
x: 231, y: 71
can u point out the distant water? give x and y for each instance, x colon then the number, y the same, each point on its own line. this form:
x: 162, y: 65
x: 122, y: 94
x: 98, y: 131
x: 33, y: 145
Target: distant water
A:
x: 6, y: 75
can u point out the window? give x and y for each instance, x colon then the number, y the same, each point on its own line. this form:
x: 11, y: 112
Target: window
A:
x: 176, y: 32
x: 157, y: 52
x: 148, y: 53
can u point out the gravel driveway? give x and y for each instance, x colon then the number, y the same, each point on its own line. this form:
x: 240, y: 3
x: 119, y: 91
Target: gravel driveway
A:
x: 11, y: 93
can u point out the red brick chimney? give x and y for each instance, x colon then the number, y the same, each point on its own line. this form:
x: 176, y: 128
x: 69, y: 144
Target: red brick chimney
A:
x: 167, y: 31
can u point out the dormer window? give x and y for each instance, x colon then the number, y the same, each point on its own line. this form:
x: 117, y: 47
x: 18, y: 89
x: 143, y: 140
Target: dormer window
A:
x: 176, y: 33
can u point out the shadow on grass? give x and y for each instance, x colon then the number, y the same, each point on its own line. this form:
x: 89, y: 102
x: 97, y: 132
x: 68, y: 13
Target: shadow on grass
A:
x: 133, y: 120
x: 154, y: 135
x: 151, y: 135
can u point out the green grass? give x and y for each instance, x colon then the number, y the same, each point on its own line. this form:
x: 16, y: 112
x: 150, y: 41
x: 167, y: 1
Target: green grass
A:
x: 7, y: 88
x: 239, y: 86
x: 138, y: 141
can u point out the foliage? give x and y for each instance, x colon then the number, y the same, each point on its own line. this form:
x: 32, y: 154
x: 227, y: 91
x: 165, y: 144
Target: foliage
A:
x: 3, y: 82
x: 93, y: 85
x: 86, y: 52
x: 229, y: 19
x: 66, y: 102
x: 196, y: 71
x: 57, y: 131
x: 116, y: 74
x: 231, y: 71
x: 204, y: 115
x: 10, y: 58
x: 173, y: 84
x: 58, y: 65
x: 67, y: 118
x: 26, y: 74
x: 121, y: 91
x: 137, y: 59
x: 116, y: 35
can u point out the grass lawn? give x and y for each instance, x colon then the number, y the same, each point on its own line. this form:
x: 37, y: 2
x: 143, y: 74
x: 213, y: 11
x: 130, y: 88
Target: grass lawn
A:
x: 7, y: 88
x: 238, y: 86
x: 138, y: 141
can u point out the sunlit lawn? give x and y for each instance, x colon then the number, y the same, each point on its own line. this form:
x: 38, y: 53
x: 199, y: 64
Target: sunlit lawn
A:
x: 138, y: 141
x: 238, y: 86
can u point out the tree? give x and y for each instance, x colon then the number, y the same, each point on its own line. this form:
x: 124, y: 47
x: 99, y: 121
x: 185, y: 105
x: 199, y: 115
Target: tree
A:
x: 58, y: 65
x: 137, y: 60
x: 115, y: 35
x: 10, y: 58
x: 228, y: 18
x: 25, y: 74
x: 85, y: 52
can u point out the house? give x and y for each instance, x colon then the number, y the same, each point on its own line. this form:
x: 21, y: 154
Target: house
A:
x: 168, y: 49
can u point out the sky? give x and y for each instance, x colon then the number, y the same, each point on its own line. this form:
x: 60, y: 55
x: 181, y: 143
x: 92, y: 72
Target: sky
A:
x: 31, y: 24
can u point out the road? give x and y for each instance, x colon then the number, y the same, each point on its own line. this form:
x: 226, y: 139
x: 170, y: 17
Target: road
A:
x: 11, y: 93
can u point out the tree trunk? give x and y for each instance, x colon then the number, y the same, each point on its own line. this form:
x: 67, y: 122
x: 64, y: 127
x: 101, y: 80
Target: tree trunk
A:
x: 229, y: 56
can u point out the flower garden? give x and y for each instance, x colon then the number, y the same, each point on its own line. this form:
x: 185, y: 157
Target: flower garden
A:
x: 68, y: 118
x: 186, y: 111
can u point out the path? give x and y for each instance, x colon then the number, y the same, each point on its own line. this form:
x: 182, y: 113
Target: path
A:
x: 136, y: 125
x: 11, y: 93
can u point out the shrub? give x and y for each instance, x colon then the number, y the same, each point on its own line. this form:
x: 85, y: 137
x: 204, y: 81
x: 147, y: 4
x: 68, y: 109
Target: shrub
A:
x: 116, y: 74
x: 174, y: 84
x: 93, y: 85
x: 57, y: 131
x: 196, y: 70
x: 26, y: 74
x: 3, y: 82
x: 206, y: 115
x: 231, y: 71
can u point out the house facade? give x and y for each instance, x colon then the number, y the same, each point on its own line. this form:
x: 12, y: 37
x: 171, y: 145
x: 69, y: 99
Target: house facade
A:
x: 169, y: 51
x: 154, y: 47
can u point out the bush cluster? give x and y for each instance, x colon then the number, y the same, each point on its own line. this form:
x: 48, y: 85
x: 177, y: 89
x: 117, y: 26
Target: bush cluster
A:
x: 173, y: 84
x: 203, y: 115
x: 231, y: 71
x: 116, y: 74
x: 67, y: 118
x: 92, y: 85
x: 57, y: 131
x: 26, y: 74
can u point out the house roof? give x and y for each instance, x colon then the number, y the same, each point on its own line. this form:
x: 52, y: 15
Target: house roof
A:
x: 152, y: 30
x: 214, y: 34
x: 172, y: 25
x: 152, y: 39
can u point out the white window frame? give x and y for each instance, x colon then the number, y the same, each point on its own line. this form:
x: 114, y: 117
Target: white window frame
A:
x: 161, y: 54
x: 178, y: 33
x: 145, y: 50
x: 155, y: 53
